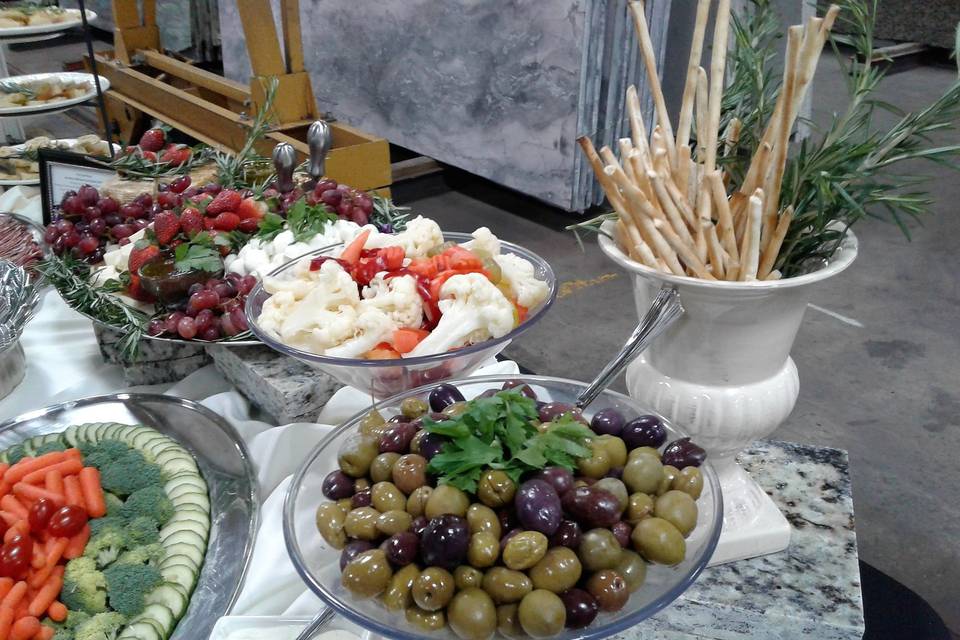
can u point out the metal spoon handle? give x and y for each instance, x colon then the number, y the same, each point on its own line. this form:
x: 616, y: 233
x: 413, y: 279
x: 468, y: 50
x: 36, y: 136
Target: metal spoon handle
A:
x: 284, y: 162
x: 319, y: 140
x: 318, y: 621
x: 664, y: 311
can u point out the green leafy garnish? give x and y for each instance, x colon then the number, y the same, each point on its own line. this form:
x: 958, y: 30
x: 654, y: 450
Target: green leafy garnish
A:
x: 270, y: 225
x: 200, y: 254
x: 500, y: 432
x: 304, y: 220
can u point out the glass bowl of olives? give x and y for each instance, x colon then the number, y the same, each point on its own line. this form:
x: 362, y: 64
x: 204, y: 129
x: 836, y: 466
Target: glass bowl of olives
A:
x: 413, y: 521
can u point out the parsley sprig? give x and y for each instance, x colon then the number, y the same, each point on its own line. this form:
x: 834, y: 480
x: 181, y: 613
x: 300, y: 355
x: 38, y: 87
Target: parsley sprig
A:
x: 500, y: 432
x: 304, y: 220
x: 202, y: 253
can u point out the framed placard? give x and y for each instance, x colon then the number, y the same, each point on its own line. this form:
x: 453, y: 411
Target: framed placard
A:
x: 62, y: 171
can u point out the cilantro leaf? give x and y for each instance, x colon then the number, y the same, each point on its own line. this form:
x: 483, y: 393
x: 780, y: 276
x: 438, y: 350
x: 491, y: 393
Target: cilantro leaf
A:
x: 463, y: 460
x: 270, y: 225
x: 192, y: 256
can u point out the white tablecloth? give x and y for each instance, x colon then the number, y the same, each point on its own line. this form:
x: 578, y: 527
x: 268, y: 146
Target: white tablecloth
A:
x: 63, y: 363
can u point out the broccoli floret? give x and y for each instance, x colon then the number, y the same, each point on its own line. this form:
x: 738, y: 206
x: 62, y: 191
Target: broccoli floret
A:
x: 84, y: 587
x: 114, y: 504
x: 151, y: 502
x: 65, y: 630
x: 99, y: 454
x: 16, y: 453
x: 62, y: 634
x: 128, y: 473
x: 106, y: 545
x: 142, y: 530
x: 149, y: 554
x: 128, y: 585
x: 50, y: 447
x: 103, y: 626
x: 98, y: 525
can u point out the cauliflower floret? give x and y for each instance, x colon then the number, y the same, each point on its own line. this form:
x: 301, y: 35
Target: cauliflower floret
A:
x: 396, y: 297
x: 473, y: 310
x: 372, y: 326
x: 483, y: 242
x: 421, y: 235
x: 522, y: 279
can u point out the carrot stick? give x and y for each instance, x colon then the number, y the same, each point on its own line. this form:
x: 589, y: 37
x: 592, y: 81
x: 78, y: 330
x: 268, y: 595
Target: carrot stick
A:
x: 25, y: 628
x: 45, y: 632
x: 74, y: 548
x: 352, y: 253
x: 16, y: 473
x: 72, y: 492
x: 21, y: 528
x: 46, y: 596
x: 5, y: 585
x: 32, y: 493
x: 13, y: 598
x: 9, y: 518
x: 57, y: 550
x: 68, y: 467
x: 57, y: 611
x: 53, y: 482
x: 6, y: 621
x: 3, y: 468
x: 74, y: 453
x: 39, y: 559
x: 11, y: 505
x: 92, y: 492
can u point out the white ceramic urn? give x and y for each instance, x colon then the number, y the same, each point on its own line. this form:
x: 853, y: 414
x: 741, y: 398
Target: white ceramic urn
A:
x: 723, y: 373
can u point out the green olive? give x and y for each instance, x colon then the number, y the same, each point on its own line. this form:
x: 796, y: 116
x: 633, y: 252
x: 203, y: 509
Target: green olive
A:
x: 670, y: 474
x: 360, y: 484
x: 506, y: 585
x: 455, y: 409
x: 508, y: 621
x: 345, y: 505
x: 659, y: 541
x: 395, y: 521
x: 480, y: 517
x: 677, y: 508
x: 524, y: 550
x: 356, y: 453
x: 472, y: 615
x: 616, y: 488
x: 413, y: 408
x: 409, y: 472
x: 496, y: 489
x: 361, y: 523
x: 371, y: 422
x: 542, y: 613
x: 417, y: 501
x: 433, y: 588
x: 599, y: 550
x: 386, y: 497
x: 446, y: 499
x: 466, y: 577
x: 415, y: 442
x: 640, y: 451
x: 557, y: 571
x: 330, y: 519
x: 367, y: 575
x: 425, y: 620
x: 616, y: 449
x: 690, y: 481
x: 632, y: 568
x: 610, y: 590
x: 639, y: 507
x: 643, y: 473
x: 397, y: 596
x: 483, y: 550
x: 382, y: 466
x: 598, y: 464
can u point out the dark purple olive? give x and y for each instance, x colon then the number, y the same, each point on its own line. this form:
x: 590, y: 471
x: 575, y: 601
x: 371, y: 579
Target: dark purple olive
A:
x: 444, y: 542
x: 432, y: 444
x: 397, y: 418
x: 557, y: 477
x: 401, y: 548
x: 683, y: 453
x: 508, y: 519
x: 337, y: 485
x: 351, y: 550
x: 506, y: 538
x: 361, y: 499
x: 621, y: 531
x: 397, y: 438
x: 581, y: 608
x: 591, y: 507
x: 607, y: 422
x: 615, y: 472
x: 489, y: 393
x: 444, y: 395
x: 538, y: 507
x: 552, y: 410
x: 645, y: 431
x: 520, y: 386
x: 419, y: 524
x: 567, y: 535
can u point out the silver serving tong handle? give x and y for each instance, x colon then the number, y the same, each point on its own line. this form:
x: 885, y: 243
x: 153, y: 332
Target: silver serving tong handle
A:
x: 664, y: 311
x: 318, y: 621
x: 284, y: 162
x: 319, y: 141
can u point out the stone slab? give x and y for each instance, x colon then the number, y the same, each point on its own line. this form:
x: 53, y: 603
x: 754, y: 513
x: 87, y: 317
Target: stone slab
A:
x: 157, y: 361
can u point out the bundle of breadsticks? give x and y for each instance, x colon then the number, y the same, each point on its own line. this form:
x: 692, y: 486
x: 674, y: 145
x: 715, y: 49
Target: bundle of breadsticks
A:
x: 675, y: 212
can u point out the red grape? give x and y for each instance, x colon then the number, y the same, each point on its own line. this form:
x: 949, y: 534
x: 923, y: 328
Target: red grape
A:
x: 50, y: 234
x: 122, y: 231
x: 156, y: 327
x: 145, y: 200
x: 88, y: 195
x: 227, y: 326
x: 186, y: 328
x: 91, y: 213
x: 225, y: 290
x: 73, y: 205
x: 67, y: 521
x: 331, y: 197
x: 108, y: 205
x: 132, y: 210
x: 15, y: 557
x: 88, y: 245
x: 344, y: 209
x: 168, y: 200
x: 173, y: 320
x: 344, y: 188
x: 71, y: 239
x: 111, y: 219
x: 204, y: 319
x: 201, y: 300
x: 212, y: 188
x: 98, y: 227
x: 211, y: 333
x: 358, y: 215
x: 40, y: 514
x: 246, y: 285
x: 180, y: 184
x: 64, y: 226
x: 239, y: 319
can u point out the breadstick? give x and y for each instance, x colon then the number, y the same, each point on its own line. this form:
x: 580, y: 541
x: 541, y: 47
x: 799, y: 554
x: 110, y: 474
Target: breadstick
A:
x: 609, y: 188
x: 750, y: 250
x: 718, y: 63
x: 681, y: 173
x: 669, y: 208
x: 643, y: 217
x: 772, y: 249
x: 724, y: 218
x: 773, y: 275
x: 626, y: 148
x: 703, y: 97
x: 686, y: 252
x: 638, y: 131
x: 717, y: 254
x: 641, y: 164
x: 653, y: 80
x: 690, y: 86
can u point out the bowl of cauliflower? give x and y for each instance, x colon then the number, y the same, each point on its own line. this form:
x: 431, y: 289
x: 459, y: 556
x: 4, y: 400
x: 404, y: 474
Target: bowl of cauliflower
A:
x: 389, y: 312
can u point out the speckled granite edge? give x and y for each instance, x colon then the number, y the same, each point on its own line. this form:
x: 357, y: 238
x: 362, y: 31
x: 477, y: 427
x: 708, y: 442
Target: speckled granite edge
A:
x: 157, y: 361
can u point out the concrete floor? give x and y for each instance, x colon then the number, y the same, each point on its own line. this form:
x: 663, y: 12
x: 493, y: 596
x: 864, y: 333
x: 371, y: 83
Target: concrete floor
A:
x: 886, y: 391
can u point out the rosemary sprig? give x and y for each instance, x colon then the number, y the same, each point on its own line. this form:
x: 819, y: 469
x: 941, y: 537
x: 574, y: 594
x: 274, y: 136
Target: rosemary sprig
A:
x: 387, y: 216
x: 133, y: 166
x: 230, y: 167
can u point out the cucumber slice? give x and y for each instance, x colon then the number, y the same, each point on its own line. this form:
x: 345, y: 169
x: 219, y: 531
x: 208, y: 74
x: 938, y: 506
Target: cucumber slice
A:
x: 111, y: 431
x: 194, y: 498
x: 160, y: 614
x: 129, y: 434
x: 29, y: 448
x: 173, y: 456
x: 171, y: 529
x: 50, y: 437
x: 187, y: 561
x: 193, y: 538
x: 70, y: 436
x: 142, y: 630
x: 3, y: 457
x: 182, y: 575
x: 166, y: 445
x: 178, y: 466
x: 171, y: 596
x: 189, y: 549
x: 142, y: 440
x: 185, y: 480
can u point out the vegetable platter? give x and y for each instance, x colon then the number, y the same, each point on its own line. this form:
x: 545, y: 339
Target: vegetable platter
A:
x: 152, y: 544
x: 23, y: 19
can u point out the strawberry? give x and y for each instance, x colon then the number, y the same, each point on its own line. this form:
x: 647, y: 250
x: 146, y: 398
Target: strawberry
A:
x: 166, y: 226
x: 226, y: 200
x: 226, y: 221
x: 250, y: 208
x: 249, y: 225
x: 149, y: 155
x: 191, y: 221
x: 175, y: 156
x: 140, y: 256
x: 153, y: 140
x: 137, y: 292
x: 208, y: 223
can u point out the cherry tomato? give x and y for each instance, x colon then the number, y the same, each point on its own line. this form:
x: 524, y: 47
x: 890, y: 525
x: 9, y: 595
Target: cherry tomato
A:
x: 40, y: 514
x: 16, y: 556
x: 67, y: 521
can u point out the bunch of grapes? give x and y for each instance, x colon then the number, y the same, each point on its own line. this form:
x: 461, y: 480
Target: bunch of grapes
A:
x: 348, y: 203
x: 86, y: 222
x: 214, y: 310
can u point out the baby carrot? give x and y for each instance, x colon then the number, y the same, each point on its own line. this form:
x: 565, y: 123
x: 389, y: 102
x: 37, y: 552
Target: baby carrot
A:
x: 352, y: 252
x: 57, y: 611
x: 68, y: 467
x: 5, y: 585
x: 45, y: 633
x: 92, y: 492
x: 20, y: 527
x: 3, y: 468
x: 72, y: 492
x: 45, y: 596
x: 32, y: 493
x: 16, y: 473
x: 57, y: 549
x: 74, y: 548
x: 39, y: 559
x: 8, y: 517
x: 25, y: 628
x: 6, y: 621
x: 13, y: 598
x: 53, y: 482
x: 11, y: 505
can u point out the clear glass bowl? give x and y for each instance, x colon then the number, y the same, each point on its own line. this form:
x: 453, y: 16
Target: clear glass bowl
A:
x: 384, y: 378
x: 318, y: 563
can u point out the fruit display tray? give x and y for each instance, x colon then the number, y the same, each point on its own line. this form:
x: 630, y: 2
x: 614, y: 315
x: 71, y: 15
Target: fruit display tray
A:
x: 809, y: 591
